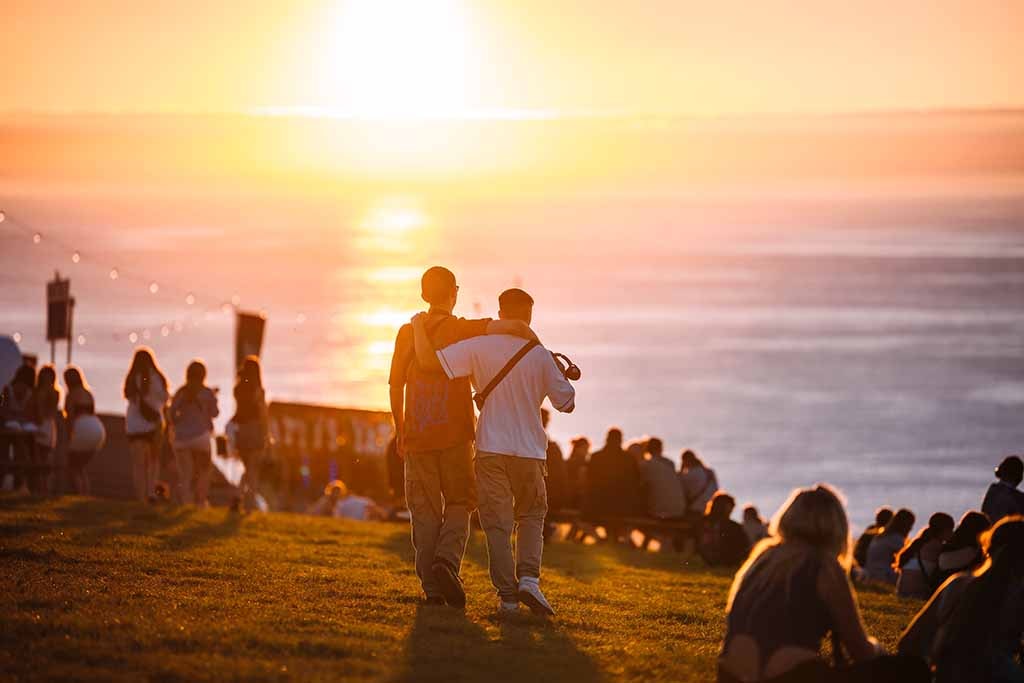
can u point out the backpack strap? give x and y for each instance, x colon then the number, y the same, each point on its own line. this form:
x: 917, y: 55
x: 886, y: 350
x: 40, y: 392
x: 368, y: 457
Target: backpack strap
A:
x: 481, y: 396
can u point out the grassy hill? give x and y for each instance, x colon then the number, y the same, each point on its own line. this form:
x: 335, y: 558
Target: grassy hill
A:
x: 106, y: 590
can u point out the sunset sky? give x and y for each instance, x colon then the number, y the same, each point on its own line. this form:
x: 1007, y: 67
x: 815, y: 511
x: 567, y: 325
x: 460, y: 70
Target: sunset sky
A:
x: 523, y: 58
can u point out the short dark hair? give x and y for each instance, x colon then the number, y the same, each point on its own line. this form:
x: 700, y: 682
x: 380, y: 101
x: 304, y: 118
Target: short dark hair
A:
x: 514, y: 301
x: 437, y: 284
x: 883, y: 515
x: 1011, y: 469
x: 655, y: 446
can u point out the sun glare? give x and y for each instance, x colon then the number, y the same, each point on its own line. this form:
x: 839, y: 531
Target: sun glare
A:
x: 401, y: 58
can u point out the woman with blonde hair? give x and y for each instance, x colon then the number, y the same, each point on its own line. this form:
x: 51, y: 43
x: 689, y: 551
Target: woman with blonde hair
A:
x: 791, y: 592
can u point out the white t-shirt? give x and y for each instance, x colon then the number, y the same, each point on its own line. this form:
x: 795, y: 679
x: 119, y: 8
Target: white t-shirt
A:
x: 510, y: 421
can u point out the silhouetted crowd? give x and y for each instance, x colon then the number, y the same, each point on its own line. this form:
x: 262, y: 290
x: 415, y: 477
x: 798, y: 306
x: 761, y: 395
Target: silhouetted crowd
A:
x: 623, y: 490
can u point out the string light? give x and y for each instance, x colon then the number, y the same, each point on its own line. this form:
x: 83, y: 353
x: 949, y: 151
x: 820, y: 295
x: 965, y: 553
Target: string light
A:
x: 16, y: 337
x: 300, y: 318
x: 227, y: 306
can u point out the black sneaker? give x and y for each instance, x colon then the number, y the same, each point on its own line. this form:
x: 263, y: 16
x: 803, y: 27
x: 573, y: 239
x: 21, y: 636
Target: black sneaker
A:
x: 450, y: 584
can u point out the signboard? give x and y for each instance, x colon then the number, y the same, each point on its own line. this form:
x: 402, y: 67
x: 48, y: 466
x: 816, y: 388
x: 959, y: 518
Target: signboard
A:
x: 248, y: 335
x: 58, y: 309
x: 316, y: 444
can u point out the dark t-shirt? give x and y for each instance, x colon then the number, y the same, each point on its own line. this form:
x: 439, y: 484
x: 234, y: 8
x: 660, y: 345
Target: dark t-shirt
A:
x: 438, y: 411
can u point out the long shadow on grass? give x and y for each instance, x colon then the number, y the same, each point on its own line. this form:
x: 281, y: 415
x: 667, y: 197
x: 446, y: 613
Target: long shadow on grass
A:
x: 92, y: 521
x: 445, y: 646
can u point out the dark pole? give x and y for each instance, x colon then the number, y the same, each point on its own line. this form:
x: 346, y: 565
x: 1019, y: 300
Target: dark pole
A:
x: 71, y: 319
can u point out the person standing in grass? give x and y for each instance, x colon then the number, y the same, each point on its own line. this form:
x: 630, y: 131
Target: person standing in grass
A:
x: 46, y: 408
x: 791, y: 592
x: 434, y: 426
x: 191, y: 419
x: 145, y: 389
x: 511, y: 445
x: 251, y: 428
x: 86, y: 434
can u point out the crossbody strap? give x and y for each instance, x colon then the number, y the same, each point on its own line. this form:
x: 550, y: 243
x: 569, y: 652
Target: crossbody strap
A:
x: 481, y: 396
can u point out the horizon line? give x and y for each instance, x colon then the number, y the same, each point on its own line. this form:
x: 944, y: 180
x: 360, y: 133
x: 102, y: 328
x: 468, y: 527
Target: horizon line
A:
x: 509, y: 115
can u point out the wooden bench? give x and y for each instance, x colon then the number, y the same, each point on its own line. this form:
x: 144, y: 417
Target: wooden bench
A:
x: 581, y: 526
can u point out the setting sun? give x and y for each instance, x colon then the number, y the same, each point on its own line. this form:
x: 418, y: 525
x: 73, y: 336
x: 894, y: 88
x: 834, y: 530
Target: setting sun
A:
x: 401, y: 58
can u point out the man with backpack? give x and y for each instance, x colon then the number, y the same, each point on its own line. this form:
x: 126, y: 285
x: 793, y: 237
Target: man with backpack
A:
x: 434, y: 427
x: 513, y: 378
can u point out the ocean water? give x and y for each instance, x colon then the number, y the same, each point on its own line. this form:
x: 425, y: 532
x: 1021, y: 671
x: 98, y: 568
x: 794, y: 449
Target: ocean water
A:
x: 870, y: 339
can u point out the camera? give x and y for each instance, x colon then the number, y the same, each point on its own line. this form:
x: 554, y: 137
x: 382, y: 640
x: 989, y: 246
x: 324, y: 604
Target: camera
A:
x: 569, y: 370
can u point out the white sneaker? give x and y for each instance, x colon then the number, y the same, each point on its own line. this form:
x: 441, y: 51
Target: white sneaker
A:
x: 507, y: 608
x: 531, y: 595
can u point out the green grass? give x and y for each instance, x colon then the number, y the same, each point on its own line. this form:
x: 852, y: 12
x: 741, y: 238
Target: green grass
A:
x: 108, y: 590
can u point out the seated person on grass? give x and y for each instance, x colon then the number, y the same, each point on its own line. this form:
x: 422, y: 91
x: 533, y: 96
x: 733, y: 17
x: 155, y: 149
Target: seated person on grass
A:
x: 792, y: 592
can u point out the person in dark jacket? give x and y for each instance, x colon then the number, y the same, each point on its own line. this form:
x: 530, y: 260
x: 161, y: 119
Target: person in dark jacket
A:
x: 1003, y: 498
x: 613, y: 488
x: 723, y: 541
x: 557, y: 478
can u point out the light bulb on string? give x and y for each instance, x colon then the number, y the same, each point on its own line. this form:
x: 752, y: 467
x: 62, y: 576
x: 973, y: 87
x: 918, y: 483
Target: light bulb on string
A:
x: 190, y: 298
x: 300, y: 318
x: 16, y: 337
x: 76, y: 257
x: 37, y: 238
x: 154, y: 287
x: 3, y: 216
x: 235, y: 300
x: 164, y: 331
x: 114, y: 274
x: 133, y: 337
x: 225, y: 308
x: 81, y: 340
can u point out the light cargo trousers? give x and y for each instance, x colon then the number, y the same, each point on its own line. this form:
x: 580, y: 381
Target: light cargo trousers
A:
x: 441, y: 493
x: 513, y: 500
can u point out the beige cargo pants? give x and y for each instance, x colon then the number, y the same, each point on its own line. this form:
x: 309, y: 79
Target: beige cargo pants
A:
x: 441, y: 493
x: 513, y: 500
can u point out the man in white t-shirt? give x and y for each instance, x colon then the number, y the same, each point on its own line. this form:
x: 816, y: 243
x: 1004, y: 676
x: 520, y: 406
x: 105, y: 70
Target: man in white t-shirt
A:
x: 511, y: 445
